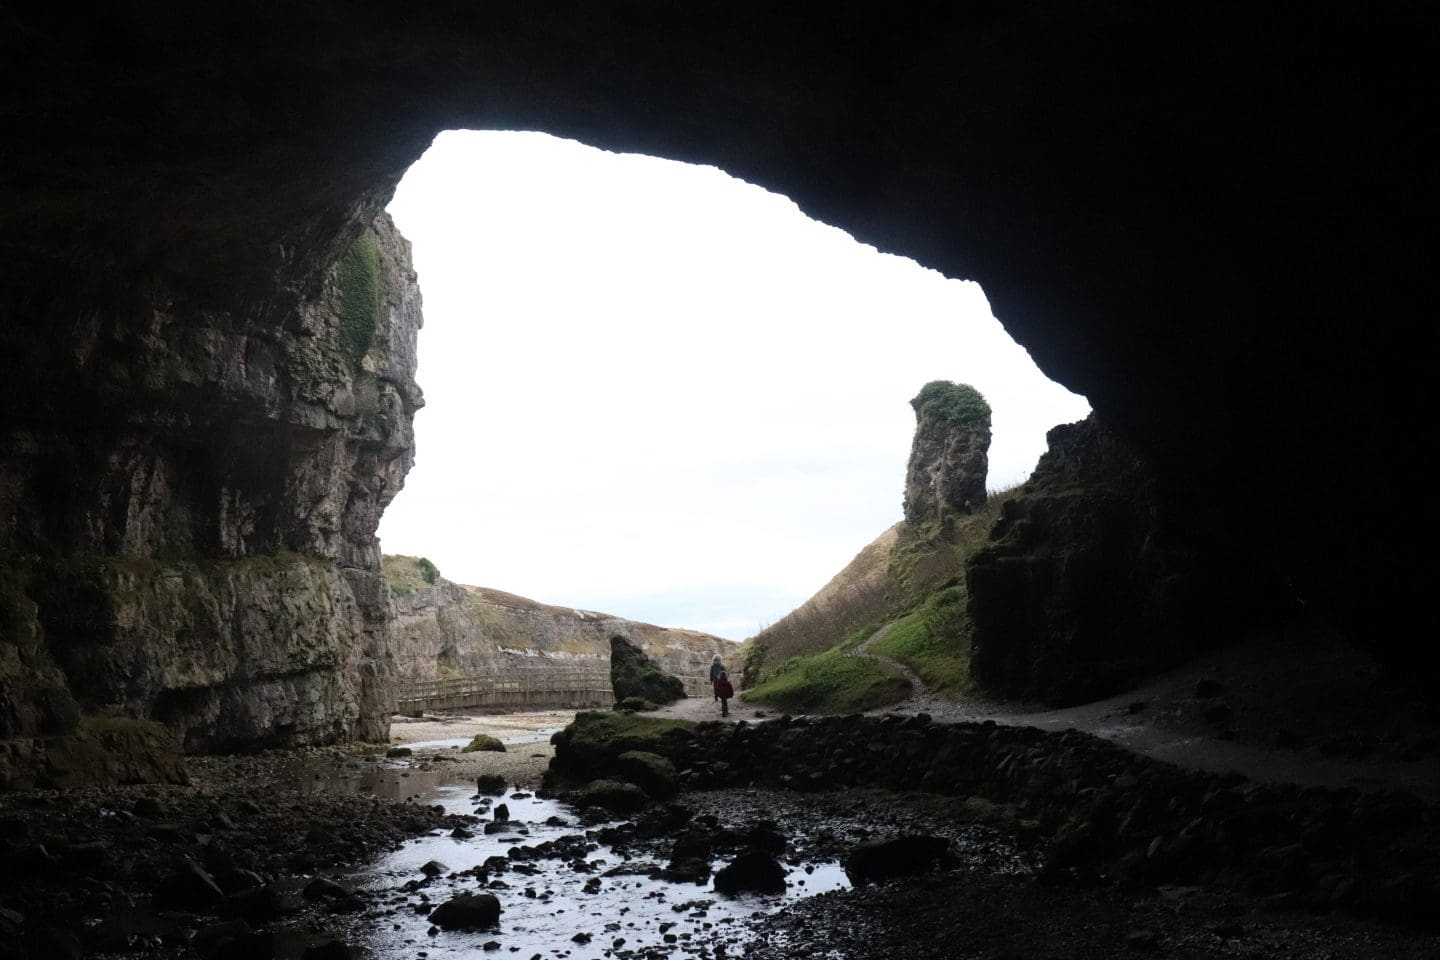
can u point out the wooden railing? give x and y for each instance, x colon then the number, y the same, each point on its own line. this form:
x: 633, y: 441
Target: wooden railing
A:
x: 514, y: 691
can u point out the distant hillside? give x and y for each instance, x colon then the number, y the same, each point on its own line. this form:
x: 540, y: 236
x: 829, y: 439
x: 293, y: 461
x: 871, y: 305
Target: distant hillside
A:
x: 444, y: 629
x: 909, y: 583
x: 902, y: 598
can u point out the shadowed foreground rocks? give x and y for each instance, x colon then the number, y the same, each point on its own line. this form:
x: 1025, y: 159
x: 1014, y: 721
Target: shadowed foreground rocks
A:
x: 1102, y: 814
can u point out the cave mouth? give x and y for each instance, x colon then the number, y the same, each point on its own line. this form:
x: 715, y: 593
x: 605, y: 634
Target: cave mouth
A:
x: 656, y: 390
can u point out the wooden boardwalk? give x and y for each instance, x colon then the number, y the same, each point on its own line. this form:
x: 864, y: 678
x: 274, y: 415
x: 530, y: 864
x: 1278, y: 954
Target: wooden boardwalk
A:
x: 518, y: 691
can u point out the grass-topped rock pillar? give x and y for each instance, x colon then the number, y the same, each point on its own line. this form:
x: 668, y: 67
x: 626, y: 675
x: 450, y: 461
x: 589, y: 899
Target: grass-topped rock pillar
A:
x: 950, y: 455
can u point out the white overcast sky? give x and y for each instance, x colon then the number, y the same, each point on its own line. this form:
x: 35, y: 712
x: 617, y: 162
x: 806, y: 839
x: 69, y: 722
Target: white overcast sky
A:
x: 660, y: 392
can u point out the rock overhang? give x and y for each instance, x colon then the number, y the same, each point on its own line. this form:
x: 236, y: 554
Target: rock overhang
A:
x: 1213, y: 226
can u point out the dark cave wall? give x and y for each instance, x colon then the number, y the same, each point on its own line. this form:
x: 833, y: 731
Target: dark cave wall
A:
x: 1212, y: 221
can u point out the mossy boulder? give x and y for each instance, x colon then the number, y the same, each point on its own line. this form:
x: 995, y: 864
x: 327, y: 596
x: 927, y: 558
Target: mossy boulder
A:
x: 614, y: 796
x: 650, y: 772
x: 634, y: 674
x: 590, y: 747
x: 485, y: 742
x: 638, y: 704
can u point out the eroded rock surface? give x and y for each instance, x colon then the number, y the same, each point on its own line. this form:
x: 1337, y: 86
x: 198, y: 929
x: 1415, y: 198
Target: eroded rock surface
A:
x: 949, y: 456
x: 192, y: 498
x: 451, y: 629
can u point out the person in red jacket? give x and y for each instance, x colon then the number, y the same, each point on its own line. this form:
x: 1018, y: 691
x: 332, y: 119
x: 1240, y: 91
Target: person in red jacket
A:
x: 724, y: 691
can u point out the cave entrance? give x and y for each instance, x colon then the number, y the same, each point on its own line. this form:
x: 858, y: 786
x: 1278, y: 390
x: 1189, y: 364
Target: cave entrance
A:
x: 658, y: 391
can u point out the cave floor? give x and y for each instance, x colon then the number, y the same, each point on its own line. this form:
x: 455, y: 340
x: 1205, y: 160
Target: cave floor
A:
x: 1299, y: 707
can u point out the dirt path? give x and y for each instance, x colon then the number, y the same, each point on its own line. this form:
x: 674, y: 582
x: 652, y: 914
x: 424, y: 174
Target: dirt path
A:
x: 1236, y: 710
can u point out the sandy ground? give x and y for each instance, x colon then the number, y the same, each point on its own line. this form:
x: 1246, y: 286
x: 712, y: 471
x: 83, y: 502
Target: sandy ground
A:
x: 437, y: 739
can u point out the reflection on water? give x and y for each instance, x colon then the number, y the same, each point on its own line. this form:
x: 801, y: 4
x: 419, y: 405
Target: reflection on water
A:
x: 548, y: 904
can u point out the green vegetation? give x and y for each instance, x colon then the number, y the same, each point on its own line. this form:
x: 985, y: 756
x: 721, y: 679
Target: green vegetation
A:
x: 405, y: 575
x: 913, y: 579
x: 946, y: 402
x: 833, y: 681
x: 933, y: 641
x: 361, y: 296
x: 590, y: 747
x: 483, y: 742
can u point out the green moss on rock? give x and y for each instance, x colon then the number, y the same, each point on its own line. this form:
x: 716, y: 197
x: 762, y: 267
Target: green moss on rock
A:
x: 483, y: 742
x: 944, y: 402
x: 650, y: 772
x: 634, y: 674
x: 590, y: 747
x: 361, y: 296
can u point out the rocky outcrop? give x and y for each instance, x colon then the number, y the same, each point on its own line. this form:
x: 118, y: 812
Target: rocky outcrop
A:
x: 635, y: 675
x: 1091, y: 805
x: 449, y: 629
x: 192, y: 497
x: 949, y: 457
x: 1086, y: 586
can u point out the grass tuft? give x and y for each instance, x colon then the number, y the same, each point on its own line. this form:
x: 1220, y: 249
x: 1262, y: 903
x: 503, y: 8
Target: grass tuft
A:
x: 832, y: 681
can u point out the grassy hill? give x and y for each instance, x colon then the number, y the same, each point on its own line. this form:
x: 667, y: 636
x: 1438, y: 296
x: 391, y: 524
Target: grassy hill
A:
x: 902, y: 598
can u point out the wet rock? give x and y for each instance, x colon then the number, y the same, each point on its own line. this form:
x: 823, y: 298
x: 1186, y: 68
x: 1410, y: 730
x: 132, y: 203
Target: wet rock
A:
x: 188, y: 888
x: 903, y: 856
x: 323, y: 889
x: 434, y: 868
x: 467, y: 911
x: 688, y: 870
x: 490, y: 785
x: 611, y: 796
x: 751, y: 872
x: 483, y: 742
x: 397, y: 752
x: 650, y: 772
x: 501, y: 813
x: 257, y: 907
x: 637, y: 705
x: 765, y: 838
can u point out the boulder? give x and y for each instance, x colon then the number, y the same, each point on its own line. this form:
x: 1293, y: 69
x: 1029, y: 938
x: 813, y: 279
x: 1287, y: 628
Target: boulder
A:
x: 650, y: 772
x: 901, y: 857
x: 634, y: 674
x: 467, y: 911
x: 610, y: 795
x: 637, y: 704
x: 483, y: 742
x: 490, y: 785
x: 751, y: 872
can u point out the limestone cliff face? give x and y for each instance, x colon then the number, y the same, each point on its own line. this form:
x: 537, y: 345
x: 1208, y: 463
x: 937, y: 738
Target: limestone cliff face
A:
x: 949, y: 457
x: 191, y: 497
x: 447, y: 629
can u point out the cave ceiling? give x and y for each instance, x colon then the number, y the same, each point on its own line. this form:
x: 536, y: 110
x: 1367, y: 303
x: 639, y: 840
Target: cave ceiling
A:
x: 1215, y: 222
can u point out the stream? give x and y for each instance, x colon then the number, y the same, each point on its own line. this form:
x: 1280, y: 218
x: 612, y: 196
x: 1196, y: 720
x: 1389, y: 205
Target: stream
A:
x: 586, y: 886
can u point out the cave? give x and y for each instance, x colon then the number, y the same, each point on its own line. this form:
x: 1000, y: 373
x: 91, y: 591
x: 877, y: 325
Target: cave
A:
x: 1214, y: 223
